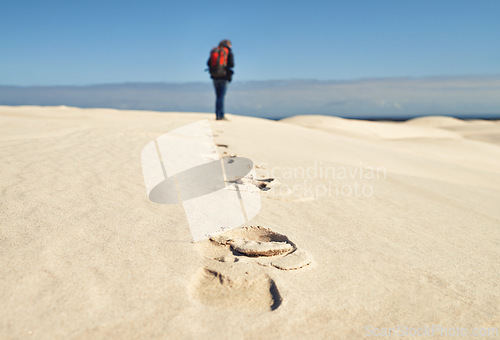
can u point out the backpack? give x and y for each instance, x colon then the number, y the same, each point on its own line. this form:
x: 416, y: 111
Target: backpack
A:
x: 218, y: 62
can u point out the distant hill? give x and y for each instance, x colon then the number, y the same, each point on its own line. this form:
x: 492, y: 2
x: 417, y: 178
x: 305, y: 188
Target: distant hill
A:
x: 390, y: 97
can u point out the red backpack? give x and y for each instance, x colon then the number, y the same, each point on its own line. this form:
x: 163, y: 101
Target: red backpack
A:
x: 218, y: 62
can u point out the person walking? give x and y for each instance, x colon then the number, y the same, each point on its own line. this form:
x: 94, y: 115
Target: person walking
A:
x: 220, y: 64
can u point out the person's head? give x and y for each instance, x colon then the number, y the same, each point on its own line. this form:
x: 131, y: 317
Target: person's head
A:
x: 225, y: 43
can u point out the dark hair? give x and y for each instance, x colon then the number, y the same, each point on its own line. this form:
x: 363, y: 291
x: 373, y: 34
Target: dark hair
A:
x: 225, y: 43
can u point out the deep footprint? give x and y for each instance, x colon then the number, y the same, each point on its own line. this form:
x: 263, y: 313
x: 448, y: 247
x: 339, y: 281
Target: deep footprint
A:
x: 251, y: 292
x: 257, y: 248
x: 255, y: 241
x: 237, y: 262
x: 269, y: 247
x: 262, y: 184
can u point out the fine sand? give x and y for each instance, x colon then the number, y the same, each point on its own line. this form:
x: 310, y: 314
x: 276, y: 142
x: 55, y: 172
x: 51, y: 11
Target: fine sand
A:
x: 363, y: 226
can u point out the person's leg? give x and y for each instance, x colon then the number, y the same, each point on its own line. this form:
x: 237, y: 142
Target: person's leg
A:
x: 215, y: 82
x: 220, y: 92
x: 223, y: 88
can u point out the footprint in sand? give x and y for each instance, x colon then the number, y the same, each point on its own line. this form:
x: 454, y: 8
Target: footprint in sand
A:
x: 237, y: 265
x: 262, y: 184
x: 234, y: 287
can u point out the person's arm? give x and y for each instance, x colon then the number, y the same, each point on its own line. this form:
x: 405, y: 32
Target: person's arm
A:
x: 230, y: 60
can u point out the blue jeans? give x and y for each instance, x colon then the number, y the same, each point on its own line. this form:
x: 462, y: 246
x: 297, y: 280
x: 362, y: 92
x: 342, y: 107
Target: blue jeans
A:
x: 220, y: 86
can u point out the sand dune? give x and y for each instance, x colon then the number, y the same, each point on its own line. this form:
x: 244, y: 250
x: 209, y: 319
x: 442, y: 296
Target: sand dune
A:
x: 367, y: 129
x: 436, y: 121
x: 366, y: 225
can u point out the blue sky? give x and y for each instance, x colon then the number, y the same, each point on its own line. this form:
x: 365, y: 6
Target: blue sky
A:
x: 94, y: 42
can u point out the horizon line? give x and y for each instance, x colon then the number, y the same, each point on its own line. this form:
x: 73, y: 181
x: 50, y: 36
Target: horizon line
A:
x: 374, y: 117
x: 344, y: 80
